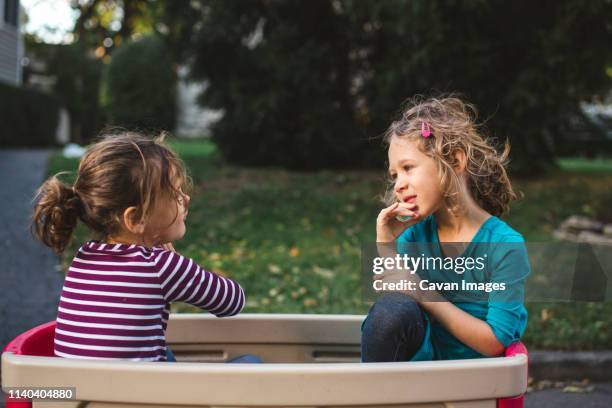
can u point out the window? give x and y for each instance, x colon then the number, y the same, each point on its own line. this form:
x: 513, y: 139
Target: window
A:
x: 11, y: 12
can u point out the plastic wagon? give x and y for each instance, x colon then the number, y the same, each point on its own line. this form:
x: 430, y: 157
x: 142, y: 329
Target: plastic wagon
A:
x: 314, y: 363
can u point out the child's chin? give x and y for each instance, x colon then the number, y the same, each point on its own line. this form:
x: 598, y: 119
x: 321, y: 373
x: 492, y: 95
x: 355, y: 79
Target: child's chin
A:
x: 180, y: 234
x: 177, y: 235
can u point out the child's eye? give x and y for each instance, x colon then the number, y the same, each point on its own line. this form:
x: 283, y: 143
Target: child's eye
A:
x: 407, y: 167
x: 392, y: 176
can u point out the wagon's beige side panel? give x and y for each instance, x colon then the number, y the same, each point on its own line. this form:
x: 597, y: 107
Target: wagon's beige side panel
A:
x: 211, y: 384
x: 291, y: 341
x: 276, y: 338
x: 465, y: 404
x: 80, y: 404
x: 59, y: 404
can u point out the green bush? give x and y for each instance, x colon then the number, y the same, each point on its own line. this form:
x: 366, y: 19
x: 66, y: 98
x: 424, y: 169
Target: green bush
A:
x: 77, y: 86
x: 141, y: 85
x: 29, y: 118
x: 77, y: 77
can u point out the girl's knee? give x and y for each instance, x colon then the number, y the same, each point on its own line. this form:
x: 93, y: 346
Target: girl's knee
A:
x: 396, y: 304
x: 393, y: 312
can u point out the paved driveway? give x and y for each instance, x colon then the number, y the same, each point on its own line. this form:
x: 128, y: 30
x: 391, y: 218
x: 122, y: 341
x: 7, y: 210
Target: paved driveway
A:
x: 29, y: 279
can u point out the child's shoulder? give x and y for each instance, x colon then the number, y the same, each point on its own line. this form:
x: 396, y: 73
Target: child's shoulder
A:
x: 125, y: 251
x: 494, y: 229
x: 421, y: 231
x: 497, y: 230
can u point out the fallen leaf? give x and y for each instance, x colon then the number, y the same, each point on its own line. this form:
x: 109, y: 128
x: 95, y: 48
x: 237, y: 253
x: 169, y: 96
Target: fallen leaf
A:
x: 323, y: 272
x: 274, y: 269
x: 309, y: 302
x: 545, y: 314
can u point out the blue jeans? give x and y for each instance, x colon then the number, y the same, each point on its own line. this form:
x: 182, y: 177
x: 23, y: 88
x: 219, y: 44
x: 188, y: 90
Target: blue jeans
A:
x: 393, y: 330
x: 245, y: 358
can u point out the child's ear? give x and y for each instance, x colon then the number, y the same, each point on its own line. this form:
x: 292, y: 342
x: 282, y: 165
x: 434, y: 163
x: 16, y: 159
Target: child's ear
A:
x: 460, y: 161
x: 133, y: 223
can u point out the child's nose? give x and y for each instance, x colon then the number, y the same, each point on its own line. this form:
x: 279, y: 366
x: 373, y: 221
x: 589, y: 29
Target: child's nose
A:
x: 400, y: 184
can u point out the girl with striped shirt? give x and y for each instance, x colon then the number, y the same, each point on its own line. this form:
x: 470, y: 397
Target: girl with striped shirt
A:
x: 132, y: 191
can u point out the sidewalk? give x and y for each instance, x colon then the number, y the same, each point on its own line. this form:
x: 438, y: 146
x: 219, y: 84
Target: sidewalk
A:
x: 598, y: 395
x: 561, y: 365
x: 29, y: 279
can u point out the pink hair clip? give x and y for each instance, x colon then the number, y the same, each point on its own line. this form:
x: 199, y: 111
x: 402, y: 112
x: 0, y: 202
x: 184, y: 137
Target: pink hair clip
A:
x: 425, y: 129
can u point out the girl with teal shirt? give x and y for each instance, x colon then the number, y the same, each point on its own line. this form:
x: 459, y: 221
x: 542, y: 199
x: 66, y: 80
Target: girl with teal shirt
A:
x: 448, y: 185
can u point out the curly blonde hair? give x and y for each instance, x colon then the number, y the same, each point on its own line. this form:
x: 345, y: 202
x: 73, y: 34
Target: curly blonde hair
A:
x: 453, y: 128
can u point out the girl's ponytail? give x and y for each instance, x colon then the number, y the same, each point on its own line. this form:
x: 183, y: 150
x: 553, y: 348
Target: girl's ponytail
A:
x: 56, y: 213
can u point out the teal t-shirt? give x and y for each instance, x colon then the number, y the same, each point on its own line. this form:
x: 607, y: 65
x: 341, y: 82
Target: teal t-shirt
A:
x: 505, y: 253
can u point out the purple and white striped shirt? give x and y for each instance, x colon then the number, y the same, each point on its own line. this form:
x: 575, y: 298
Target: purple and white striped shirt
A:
x: 116, y: 300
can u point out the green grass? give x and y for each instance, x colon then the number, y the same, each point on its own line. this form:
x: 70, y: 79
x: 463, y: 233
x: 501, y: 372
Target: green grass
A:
x: 194, y: 149
x: 582, y: 165
x: 293, y: 239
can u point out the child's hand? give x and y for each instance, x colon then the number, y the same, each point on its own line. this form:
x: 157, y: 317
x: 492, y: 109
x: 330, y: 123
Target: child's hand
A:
x: 388, y: 227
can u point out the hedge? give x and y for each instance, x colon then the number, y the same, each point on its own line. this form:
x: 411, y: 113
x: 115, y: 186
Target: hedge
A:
x: 29, y: 118
x: 141, y: 86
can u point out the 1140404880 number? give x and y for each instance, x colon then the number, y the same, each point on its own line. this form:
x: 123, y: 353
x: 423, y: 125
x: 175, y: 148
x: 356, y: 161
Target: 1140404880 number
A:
x: 40, y: 393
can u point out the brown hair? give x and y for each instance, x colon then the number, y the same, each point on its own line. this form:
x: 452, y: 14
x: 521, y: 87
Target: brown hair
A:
x: 453, y: 128
x: 121, y: 170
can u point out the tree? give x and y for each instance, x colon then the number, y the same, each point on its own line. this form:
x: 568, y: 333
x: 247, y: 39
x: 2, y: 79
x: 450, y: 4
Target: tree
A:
x: 279, y: 71
x: 305, y: 84
x: 525, y: 65
x: 76, y: 81
x: 103, y: 25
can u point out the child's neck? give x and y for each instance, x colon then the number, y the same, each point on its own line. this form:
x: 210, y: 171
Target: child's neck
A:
x: 125, y: 238
x: 456, y: 231
x: 460, y: 227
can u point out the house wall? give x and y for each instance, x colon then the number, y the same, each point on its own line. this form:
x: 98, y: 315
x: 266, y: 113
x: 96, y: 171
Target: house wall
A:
x: 192, y: 120
x: 11, y: 47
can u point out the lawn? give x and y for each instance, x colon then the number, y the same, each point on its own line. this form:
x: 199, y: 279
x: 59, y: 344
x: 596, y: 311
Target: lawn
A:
x: 292, y: 239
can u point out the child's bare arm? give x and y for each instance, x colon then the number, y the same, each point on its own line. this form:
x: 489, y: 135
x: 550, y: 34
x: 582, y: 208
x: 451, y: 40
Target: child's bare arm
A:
x: 470, y: 330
